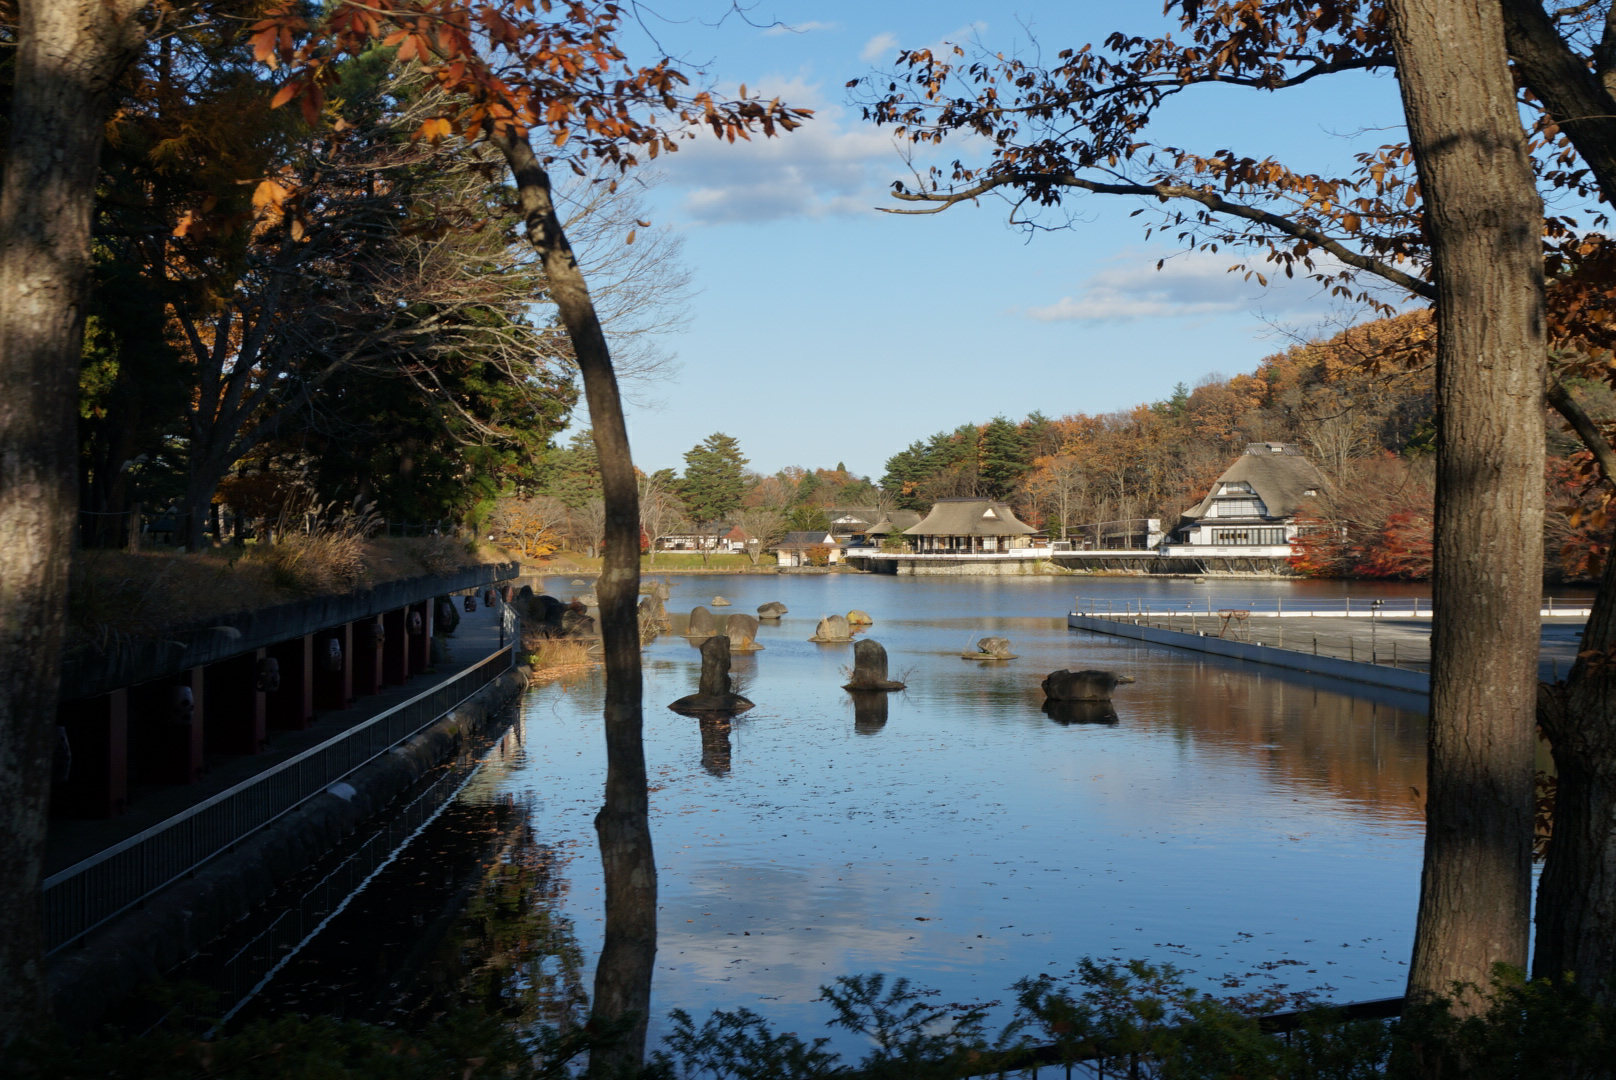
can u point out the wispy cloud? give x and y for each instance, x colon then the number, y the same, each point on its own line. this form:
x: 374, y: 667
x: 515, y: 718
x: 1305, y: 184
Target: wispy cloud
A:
x: 1188, y: 285
x: 878, y: 46
x: 780, y: 29
x: 826, y: 167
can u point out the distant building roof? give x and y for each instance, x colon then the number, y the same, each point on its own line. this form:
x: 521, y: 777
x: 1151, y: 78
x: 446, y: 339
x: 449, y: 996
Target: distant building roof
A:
x: 806, y: 540
x: 852, y: 515
x: 894, y: 521
x: 969, y: 517
x: 1277, y: 473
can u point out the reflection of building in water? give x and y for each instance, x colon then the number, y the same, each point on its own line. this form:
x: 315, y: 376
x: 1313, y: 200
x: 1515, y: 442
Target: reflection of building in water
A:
x: 715, y: 744
x: 869, y: 710
x: 1370, y: 753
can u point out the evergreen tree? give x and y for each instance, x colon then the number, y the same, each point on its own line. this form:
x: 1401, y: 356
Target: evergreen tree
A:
x: 1001, y: 453
x: 713, y: 482
x: 572, y: 474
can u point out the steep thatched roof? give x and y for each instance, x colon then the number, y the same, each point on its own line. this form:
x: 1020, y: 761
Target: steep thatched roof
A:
x: 894, y: 521
x: 969, y: 517
x: 1278, y: 474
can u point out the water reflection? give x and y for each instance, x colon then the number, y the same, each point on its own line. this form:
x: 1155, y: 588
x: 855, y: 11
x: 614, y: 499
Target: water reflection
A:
x: 1238, y: 823
x: 869, y: 710
x: 715, y: 749
x: 1234, y: 822
x: 1067, y: 713
x: 511, y: 953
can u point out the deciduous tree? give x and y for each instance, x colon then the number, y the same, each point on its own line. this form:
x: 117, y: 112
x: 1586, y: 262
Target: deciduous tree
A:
x: 1080, y: 126
x: 68, y: 56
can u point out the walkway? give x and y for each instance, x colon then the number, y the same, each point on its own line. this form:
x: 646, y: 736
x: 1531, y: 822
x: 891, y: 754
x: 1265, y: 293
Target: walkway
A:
x: 1392, y: 651
x: 69, y: 841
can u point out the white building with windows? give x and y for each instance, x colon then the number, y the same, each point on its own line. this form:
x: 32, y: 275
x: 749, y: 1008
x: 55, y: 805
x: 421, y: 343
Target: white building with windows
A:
x: 1252, y: 508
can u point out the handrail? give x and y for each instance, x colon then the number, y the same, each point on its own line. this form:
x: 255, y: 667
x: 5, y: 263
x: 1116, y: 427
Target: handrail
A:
x: 1141, y: 607
x: 97, y: 889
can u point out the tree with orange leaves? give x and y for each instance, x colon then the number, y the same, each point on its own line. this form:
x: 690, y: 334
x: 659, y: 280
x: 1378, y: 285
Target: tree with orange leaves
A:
x: 1081, y: 125
x: 507, y: 71
x: 538, y: 80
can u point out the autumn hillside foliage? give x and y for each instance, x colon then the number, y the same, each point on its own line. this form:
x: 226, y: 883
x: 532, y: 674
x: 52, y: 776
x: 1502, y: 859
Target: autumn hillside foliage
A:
x: 1360, y: 405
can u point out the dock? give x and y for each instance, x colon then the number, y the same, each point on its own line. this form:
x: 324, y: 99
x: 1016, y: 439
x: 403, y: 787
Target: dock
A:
x: 1385, y: 644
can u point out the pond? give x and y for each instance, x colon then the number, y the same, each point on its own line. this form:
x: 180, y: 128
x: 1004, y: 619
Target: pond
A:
x: 1235, y: 821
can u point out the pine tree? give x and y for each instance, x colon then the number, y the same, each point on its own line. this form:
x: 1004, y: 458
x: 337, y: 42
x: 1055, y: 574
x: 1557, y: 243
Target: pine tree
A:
x: 1001, y: 458
x: 713, y: 483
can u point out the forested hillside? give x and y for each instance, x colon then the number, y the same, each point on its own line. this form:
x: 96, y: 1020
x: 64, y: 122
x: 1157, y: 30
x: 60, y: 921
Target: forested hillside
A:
x: 1359, y: 404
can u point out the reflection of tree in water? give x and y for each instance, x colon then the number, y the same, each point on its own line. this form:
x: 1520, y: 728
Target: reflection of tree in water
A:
x: 511, y: 953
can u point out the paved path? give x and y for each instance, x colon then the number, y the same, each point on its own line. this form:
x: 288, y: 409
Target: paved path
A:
x: 70, y: 840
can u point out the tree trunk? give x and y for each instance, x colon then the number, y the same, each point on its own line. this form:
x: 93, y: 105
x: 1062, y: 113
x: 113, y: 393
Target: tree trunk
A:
x: 623, y: 974
x: 1577, y: 893
x: 1576, y: 904
x: 1484, y: 220
x: 70, y: 52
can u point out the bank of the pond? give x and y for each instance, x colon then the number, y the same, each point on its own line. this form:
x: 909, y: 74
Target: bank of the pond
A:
x: 87, y: 979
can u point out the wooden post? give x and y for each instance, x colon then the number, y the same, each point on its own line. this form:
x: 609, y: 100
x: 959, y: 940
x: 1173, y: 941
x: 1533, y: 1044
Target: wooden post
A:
x: 421, y: 640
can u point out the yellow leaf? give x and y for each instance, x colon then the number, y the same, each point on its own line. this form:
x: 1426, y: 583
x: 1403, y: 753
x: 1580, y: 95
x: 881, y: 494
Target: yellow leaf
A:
x: 630, y: 239
x: 269, y: 195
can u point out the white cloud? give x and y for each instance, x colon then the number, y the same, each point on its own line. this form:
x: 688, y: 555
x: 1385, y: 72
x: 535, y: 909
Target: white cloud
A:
x: 779, y: 29
x: 831, y: 165
x: 878, y: 47
x: 1188, y: 285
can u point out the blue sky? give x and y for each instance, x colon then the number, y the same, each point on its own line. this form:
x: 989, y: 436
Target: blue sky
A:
x: 823, y: 330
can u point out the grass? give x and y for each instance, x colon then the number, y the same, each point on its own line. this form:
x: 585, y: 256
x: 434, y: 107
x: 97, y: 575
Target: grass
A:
x: 557, y: 658
x: 116, y: 593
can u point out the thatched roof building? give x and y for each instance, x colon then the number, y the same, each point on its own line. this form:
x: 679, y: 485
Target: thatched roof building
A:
x: 968, y: 526
x: 1256, y: 499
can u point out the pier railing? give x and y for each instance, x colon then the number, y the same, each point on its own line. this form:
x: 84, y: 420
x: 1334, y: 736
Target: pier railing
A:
x: 93, y: 891
x: 1418, y: 607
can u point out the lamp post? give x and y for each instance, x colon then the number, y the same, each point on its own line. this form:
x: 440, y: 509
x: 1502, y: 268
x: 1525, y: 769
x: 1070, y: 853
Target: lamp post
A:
x: 1374, y: 614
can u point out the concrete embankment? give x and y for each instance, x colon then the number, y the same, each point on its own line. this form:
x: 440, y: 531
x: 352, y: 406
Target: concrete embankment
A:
x: 113, y: 962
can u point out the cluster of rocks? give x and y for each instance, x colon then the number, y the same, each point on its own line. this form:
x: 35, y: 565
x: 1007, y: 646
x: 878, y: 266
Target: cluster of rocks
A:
x: 1071, y: 697
x: 739, y: 628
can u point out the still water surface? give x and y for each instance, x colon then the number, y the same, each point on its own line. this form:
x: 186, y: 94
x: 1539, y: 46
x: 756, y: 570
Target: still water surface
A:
x: 1234, y: 821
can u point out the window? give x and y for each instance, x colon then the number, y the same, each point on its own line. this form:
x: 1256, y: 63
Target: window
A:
x: 1237, y: 487
x: 1248, y: 536
x: 1230, y: 508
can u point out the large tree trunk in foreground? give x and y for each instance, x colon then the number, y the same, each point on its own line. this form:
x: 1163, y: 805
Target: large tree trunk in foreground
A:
x: 70, y: 52
x: 1484, y: 220
x: 1576, y: 904
x: 1576, y: 908
x: 623, y: 974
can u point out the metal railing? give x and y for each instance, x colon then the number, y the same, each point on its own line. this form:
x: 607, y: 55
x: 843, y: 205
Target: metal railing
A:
x: 1151, y: 607
x: 91, y: 892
